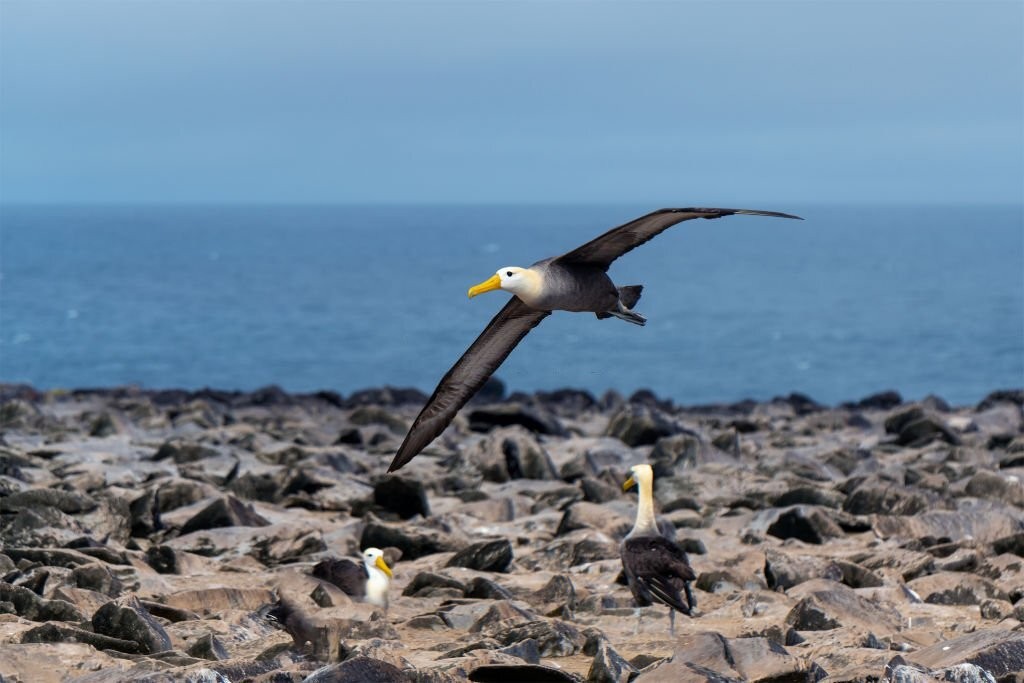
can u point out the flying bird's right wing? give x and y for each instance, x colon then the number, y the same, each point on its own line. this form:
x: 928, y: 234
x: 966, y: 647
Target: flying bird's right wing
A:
x: 601, y: 251
x: 468, y: 374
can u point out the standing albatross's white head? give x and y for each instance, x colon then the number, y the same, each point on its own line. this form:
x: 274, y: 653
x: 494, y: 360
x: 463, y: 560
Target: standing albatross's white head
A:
x: 523, y: 282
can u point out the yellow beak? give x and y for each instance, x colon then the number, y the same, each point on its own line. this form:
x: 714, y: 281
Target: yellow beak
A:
x: 383, y: 566
x: 628, y: 484
x: 486, y: 286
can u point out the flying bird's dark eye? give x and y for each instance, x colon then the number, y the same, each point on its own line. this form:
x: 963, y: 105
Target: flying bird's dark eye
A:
x: 509, y: 273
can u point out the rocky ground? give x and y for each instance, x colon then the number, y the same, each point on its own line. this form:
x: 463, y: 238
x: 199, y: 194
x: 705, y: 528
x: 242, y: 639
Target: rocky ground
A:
x: 154, y: 536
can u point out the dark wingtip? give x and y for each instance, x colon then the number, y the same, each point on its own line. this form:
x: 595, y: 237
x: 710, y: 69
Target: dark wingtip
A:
x: 397, y: 463
x: 773, y: 214
x: 718, y: 213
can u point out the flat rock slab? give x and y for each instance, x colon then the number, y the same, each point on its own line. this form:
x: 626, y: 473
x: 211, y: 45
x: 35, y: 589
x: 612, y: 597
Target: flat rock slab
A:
x: 710, y: 656
x: 826, y: 605
x: 998, y: 651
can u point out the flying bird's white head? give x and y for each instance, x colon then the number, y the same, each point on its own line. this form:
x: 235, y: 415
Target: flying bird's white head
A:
x: 523, y: 282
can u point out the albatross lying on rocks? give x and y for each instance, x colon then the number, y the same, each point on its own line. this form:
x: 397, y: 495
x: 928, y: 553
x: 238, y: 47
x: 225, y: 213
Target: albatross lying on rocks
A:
x: 656, y: 568
x: 574, y: 281
x: 368, y: 581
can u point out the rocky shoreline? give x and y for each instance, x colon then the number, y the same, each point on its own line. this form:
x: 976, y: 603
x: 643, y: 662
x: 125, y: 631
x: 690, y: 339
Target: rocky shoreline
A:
x: 169, y: 536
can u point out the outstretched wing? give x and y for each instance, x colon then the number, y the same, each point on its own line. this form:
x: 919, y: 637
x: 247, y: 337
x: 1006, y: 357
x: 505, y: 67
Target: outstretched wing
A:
x: 466, y: 377
x: 658, y: 569
x: 601, y: 251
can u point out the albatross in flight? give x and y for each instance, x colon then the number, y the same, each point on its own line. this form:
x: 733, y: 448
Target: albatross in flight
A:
x: 656, y: 568
x: 574, y: 281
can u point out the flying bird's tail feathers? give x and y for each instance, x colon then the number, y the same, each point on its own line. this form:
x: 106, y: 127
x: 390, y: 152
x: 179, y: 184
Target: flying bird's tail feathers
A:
x: 630, y: 294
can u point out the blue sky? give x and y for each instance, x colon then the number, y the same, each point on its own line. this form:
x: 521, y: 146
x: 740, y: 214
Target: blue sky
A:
x: 710, y: 102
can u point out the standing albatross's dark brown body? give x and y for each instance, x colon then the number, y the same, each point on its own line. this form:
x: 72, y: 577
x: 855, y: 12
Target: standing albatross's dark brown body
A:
x: 575, y: 281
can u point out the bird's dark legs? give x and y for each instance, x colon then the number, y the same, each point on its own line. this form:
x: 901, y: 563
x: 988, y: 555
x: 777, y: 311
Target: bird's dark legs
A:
x: 671, y: 622
x: 639, y: 615
x: 691, y: 602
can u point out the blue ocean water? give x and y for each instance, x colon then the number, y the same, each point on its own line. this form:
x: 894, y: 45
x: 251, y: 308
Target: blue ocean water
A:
x: 852, y: 300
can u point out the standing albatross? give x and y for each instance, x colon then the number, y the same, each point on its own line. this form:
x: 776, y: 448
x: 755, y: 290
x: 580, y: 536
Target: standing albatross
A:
x: 656, y: 568
x: 574, y: 281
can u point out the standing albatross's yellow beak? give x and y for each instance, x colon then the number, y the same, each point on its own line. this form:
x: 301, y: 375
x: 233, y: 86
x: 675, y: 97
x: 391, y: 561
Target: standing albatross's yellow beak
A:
x: 383, y: 566
x: 494, y: 282
x: 628, y: 484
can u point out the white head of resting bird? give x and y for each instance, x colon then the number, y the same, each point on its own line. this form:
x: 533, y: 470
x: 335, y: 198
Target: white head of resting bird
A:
x: 368, y: 581
x: 574, y: 281
x: 656, y: 568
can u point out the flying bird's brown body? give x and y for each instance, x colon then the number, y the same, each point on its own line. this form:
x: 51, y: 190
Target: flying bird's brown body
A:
x: 575, y: 281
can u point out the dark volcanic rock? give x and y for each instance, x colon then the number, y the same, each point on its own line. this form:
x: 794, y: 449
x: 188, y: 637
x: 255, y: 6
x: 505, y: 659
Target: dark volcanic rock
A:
x: 181, y: 451
x: 785, y: 570
x: 63, y: 633
x: 536, y: 420
x: 401, y: 495
x: 424, y: 583
x: 520, y: 673
x: 413, y: 542
x: 608, y: 665
x: 99, y: 578
x: 827, y: 605
x: 998, y: 651
x: 555, y: 598
x: 30, y: 606
x: 555, y: 638
x: 385, y: 396
x: 713, y: 657
x: 127, y: 619
x: 884, y: 400
x: 807, y: 523
x: 485, y: 589
x: 486, y: 556
x: 955, y: 588
x: 674, y: 452
x: 513, y: 453
x: 67, y: 502
x: 224, y: 512
x: 874, y: 496
x: 639, y: 425
x: 208, y: 647
x: 917, y: 427
x: 361, y: 669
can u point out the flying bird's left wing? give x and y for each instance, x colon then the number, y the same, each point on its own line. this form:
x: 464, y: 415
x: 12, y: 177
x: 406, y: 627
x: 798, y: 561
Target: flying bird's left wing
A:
x: 468, y: 374
x: 601, y: 251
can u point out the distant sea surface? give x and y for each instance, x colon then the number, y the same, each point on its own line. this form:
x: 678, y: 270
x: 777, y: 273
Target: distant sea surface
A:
x: 850, y: 301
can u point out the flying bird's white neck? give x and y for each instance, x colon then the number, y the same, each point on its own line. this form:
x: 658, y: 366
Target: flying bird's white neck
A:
x: 528, y: 286
x: 645, y: 523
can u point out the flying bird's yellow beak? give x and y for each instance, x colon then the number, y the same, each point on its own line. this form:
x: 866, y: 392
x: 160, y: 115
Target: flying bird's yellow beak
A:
x: 628, y: 484
x: 486, y: 286
x: 383, y: 566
